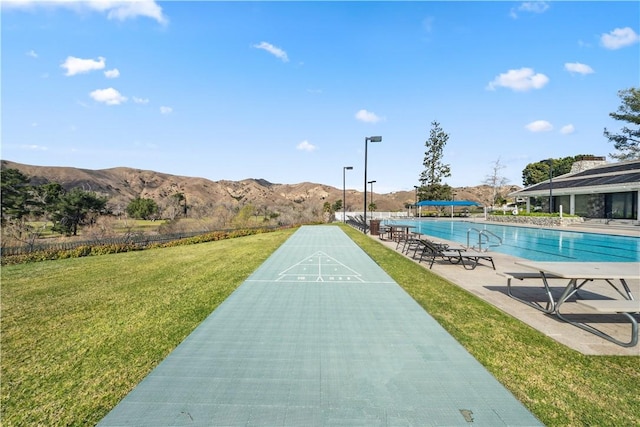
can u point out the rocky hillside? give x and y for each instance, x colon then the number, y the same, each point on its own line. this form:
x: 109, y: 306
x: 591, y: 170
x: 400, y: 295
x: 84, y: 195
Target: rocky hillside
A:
x: 121, y: 184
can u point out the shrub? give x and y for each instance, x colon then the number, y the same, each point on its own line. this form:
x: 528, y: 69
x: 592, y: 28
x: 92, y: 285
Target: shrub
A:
x: 114, y: 248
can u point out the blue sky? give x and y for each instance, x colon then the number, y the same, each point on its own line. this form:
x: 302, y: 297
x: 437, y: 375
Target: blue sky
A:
x: 288, y: 91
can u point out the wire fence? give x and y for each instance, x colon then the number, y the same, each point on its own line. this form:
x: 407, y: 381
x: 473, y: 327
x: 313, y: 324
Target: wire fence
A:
x: 139, y: 240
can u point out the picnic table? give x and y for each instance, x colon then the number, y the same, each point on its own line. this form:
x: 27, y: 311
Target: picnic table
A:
x: 396, y: 231
x: 578, y: 275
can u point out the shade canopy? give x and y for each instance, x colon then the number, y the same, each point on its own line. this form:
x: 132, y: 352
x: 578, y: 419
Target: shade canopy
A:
x: 447, y: 203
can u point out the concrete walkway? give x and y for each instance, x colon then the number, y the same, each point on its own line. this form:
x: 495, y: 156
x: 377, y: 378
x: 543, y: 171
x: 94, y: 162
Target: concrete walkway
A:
x: 488, y: 285
x: 319, y: 335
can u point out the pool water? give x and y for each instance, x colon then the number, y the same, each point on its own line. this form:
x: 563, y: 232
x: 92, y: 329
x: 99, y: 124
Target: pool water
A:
x: 538, y: 244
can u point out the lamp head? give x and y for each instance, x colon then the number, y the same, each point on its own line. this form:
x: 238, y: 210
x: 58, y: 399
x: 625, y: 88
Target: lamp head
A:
x: 374, y: 139
x: 348, y: 168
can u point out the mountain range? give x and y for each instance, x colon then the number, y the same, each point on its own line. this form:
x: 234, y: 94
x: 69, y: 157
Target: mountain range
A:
x: 122, y: 184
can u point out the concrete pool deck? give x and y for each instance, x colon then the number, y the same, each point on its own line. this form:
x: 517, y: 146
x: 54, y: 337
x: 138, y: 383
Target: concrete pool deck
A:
x: 488, y: 285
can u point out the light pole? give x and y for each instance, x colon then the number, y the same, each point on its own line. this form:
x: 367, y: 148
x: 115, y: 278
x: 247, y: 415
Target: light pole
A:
x: 416, y: 187
x: 344, y: 193
x: 550, y: 161
x: 366, y: 142
x: 371, y: 182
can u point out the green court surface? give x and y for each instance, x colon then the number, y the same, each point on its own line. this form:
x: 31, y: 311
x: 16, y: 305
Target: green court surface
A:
x: 319, y: 335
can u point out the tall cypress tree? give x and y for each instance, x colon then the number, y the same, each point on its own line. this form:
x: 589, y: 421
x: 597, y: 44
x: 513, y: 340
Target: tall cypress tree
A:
x: 435, y: 170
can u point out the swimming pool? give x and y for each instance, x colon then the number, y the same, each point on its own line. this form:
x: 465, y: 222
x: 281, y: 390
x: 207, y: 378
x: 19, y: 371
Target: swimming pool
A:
x: 538, y: 244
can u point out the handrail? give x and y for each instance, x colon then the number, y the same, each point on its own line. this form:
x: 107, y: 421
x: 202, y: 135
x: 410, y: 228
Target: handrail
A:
x: 487, y: 239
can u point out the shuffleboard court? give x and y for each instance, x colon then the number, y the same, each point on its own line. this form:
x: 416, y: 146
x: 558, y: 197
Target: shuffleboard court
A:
x: 319, y: 335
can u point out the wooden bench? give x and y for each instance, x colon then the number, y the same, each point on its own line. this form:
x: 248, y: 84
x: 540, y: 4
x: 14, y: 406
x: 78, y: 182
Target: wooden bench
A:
x: 626, y: 308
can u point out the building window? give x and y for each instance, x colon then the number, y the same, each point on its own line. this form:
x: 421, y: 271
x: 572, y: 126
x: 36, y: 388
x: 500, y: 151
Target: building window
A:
x: 621, y: 205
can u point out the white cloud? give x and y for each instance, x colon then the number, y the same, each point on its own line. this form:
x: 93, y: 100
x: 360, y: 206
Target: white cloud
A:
x: 539, y: 126
x: 108, y: 96
x: 530, y: 7
x: 149, y: 145
x: 567, y: 129
x: 576, y: 67
x: 306, y: 146
x: 123, y: 10
x: 520, y: 80
x: 618, y: 38
x: 367, y: 116
x: 112, y: 74
x: 427, y: 23
x: 166, y: 110
x: 75, y: 65
x: 140, y: 100
x: 32, y: 53
x: 582, y: 43
x: 114, y: 9
x: 275, y: 51
x: 34, y: 147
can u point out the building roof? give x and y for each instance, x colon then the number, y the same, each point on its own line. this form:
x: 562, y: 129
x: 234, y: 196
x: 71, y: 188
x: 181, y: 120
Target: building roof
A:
x: 609, y: 178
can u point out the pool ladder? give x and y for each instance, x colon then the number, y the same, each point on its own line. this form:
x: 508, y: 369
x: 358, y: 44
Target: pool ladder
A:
x: 486, y: 240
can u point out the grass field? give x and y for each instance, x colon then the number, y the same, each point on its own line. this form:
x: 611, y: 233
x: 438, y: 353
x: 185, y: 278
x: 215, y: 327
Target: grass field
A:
x: 79, y: 334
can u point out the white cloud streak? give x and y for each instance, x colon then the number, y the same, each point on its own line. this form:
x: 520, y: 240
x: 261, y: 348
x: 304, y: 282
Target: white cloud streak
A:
x: 306, y: 146
x: 112, y: 74
x: 274, y: 50
x: 567, y: 129
x: 619, y: 38
x: 32, y: 53
x: 34, y: 147
x: 114, y: 9
x: 108, y: 96
x: 166, y: 110
x: 576, y: 67
x: 539, y: 126
x: 75, y: 65
x: 367, y: 116
x: 140, y: 100
x: 530, y: 7
x: 520, y: 80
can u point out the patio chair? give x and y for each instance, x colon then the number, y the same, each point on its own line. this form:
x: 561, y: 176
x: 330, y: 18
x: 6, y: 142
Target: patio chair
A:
x: 455, y: 255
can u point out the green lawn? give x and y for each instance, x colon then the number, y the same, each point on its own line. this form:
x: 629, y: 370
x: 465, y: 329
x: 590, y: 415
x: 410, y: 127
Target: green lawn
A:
x: 79, y: 334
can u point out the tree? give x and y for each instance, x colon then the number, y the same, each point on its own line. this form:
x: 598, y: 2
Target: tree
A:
x: 243, y: 217
x: 74, y: 208
x: 435, y: 170
x: 496, y: 181
x: 627, y: 142
x: 15, y: 193
x: 537, y: 172
x: 46, y: 198
x: 142, y: 208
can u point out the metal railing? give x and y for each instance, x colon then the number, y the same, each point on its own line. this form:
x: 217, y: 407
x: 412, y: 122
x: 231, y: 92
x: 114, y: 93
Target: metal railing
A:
x: 485, y: 237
